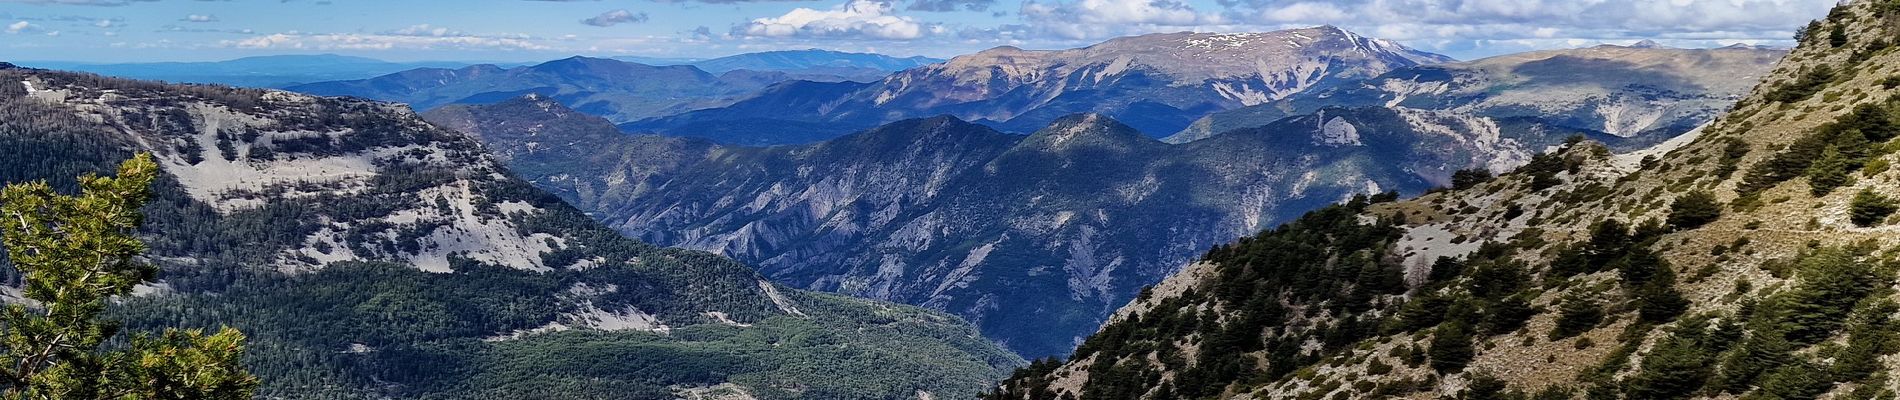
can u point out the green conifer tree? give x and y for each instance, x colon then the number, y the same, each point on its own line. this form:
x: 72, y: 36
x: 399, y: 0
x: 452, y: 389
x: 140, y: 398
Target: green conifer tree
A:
x: 1869, y: 208
x: 76, y: 253
x: 1693, y: 210
x: 1827, y: 173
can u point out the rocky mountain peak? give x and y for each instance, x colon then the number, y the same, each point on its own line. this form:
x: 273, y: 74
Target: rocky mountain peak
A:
x: 1086, y: 131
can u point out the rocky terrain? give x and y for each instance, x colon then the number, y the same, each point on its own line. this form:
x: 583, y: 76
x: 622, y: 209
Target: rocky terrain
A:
x: 1639, y: 91
x: 1156, y: 83
x: 370, y: 254
x: 1035, y: 238
x: 1752, y: 258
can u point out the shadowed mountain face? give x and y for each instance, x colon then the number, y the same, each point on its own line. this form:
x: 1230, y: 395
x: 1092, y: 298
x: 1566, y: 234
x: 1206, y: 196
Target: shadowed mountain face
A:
x: 1035, y: 238
x: 1633, y: 92
x: 1155, y: 83
x: 369, y: 254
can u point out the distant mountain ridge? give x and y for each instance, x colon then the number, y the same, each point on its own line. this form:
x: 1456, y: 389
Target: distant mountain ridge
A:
x: 622, y: 91
x: 614, y: 89
x: 1643, y: 90
x: 258, y: 71
x: 1156, y: 83
x: 1034, y: 238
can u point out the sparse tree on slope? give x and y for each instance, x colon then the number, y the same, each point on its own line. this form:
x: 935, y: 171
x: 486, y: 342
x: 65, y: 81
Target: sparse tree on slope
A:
x: 1694, y: 209
x: 75, y: 253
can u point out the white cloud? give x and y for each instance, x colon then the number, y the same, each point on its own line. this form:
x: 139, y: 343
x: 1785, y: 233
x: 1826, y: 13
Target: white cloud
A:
x: 424, y: 30
x: 615, y: 17
x: 200, y: 18
x: 104, y: 23
x: 21, y: 26
x: 383, y: 41
x: 862, y: 19
x: 1515, y: 19
x: 1095, y: 19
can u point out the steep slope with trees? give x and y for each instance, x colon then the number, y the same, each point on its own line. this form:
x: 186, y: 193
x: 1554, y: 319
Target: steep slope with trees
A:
x: 1754, y: 259
x: 1035, y: 238
x: 369, y: 254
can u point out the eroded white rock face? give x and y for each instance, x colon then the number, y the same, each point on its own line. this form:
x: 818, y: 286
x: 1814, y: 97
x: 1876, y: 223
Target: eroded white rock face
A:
x: 236, y: 160
x: 1338, y: 132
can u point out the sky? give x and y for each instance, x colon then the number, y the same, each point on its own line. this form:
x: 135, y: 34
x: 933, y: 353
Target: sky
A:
x: 530, y: 30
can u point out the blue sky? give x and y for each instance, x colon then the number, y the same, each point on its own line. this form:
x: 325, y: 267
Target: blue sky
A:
x: 528, y: 30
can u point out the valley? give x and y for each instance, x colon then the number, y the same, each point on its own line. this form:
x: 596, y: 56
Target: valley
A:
x: 921, y: 199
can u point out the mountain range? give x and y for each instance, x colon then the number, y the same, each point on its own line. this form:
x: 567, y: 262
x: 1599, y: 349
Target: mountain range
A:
x: 618, y: 90
x: 260, y: 71
x: 1627, y: 91
x: 1034, y: 238
x: 1752, y: 258
x: 370, y: 254
x: 1156, y: 83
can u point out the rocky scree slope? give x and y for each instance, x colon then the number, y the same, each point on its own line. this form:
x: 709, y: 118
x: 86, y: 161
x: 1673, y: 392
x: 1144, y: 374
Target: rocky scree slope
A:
x: 370, y: 254
x: 1155, y: 83
x: 1753, y: 259
x: 1034, y: 238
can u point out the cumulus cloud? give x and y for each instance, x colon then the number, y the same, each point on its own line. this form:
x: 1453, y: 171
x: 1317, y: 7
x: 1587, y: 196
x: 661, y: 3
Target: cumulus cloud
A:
x: 420, y: 40
x: 1092, y: 19
x: 425, y: 30
x: 950, y: 5
x: 615, y: 17
x: 1533, y: 19
x: 21, y: 26
x: 857, y: 19
x: 199, y: 18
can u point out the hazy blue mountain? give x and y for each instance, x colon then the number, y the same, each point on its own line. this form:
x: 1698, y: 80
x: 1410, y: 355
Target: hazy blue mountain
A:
x: 658, y: 60
x: 1035, y: 238
x: 618, y: 90
x: 369, y: 254
x: 260, y: 71
x: 1156, y: 83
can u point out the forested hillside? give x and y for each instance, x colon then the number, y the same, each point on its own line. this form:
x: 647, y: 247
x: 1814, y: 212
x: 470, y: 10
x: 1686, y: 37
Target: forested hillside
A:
x: 1754, y: 258
x: 1035, y: 238
x: 369, y: 254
